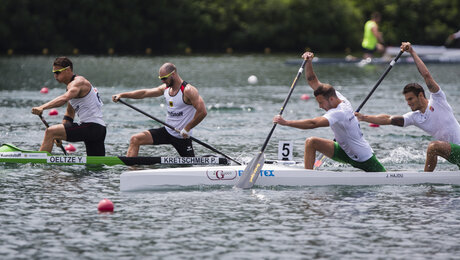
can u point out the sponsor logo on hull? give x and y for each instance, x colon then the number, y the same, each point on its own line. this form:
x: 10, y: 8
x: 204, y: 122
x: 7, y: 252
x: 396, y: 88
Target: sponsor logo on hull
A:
x: 11, y: 155
x: 23, y: 155
x: 219, y: 175
x: 230, y: 174
x: 266, y: 173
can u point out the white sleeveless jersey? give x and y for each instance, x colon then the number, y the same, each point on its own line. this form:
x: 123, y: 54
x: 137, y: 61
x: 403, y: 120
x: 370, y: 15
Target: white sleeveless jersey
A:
x: 89, y: 107
x: 179, y: 114
x: 347, y: 132
x: 438, y: 120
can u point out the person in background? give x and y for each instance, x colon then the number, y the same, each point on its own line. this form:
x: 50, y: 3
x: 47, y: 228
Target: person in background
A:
x: 350, y: 147
x: 185, y: 107
x: 453, y: 40
x: 435, y: 116
x: 372, y: 39
x: 81, y: 99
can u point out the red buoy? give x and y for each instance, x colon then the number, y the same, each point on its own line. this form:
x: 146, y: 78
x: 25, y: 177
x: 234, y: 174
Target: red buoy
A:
x: 70, y: 148
x: 373, y: 125
x: 105, y: 205
x: 44, y: 90
x: 53, y: 112
x: 305, y: 97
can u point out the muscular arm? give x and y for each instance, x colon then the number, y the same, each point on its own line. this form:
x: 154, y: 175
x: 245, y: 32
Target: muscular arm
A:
x: 422, y: 69
x: 193, y: 97
x: 397, y: 121
x: 382, y: 119
x: 303, y: 123
x: 70, y: 112
x: 310, y: 75
x: 73, y: 91
x: 141, y: 93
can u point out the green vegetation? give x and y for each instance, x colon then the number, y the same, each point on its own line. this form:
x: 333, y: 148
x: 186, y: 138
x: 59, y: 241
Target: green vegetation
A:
x: 213, y: 26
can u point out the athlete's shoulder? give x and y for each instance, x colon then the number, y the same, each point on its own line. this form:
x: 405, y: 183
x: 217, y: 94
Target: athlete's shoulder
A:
x: 187, y: 88
x: 79, y: 85
x: 79, y: 81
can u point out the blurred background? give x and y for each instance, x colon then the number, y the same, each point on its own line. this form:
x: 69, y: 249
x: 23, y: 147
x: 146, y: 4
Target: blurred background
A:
x: 163, y: 27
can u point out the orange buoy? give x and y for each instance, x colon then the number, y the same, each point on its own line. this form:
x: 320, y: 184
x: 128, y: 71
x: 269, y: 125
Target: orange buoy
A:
x: 105, y: 205
x: 53, y: 112
x: 44, y: 90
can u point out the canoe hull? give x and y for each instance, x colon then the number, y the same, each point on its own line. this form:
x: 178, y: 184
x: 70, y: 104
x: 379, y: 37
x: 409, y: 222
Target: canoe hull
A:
x: 275, y: 175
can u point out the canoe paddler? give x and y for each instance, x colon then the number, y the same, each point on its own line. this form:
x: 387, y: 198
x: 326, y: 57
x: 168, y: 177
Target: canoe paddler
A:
x: 185, y: 110
x: 435, y: 116
x: 81, y: 99
x: 350, y: 147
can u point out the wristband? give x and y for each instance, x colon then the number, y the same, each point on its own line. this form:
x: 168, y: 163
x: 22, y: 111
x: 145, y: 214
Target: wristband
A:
x: 68, y: 118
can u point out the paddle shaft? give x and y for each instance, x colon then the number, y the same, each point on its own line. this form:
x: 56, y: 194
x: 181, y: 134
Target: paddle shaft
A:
x: 380, y: 80
x: 177, y: 130
x: 47, y: 126
x: 284, y: 104
x: 392, y: 63
x: 252, y: 171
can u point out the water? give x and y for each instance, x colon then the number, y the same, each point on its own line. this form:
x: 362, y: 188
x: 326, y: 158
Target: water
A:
x: 51, y: 211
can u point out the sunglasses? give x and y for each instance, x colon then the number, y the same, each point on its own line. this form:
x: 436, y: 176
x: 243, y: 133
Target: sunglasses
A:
x: 165, y: 77
x: 58, y: 71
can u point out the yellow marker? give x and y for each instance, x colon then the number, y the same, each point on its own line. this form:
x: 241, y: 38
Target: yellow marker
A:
x: 254, y: 172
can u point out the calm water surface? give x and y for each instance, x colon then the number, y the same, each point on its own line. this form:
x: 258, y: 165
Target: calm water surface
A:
x: 51, y: 211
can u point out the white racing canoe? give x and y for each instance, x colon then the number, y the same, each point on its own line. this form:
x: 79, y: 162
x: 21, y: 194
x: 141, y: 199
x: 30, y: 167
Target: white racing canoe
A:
x: 275, y: 175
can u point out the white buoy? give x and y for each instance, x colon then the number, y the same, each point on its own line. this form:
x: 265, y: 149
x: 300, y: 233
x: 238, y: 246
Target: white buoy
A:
x: 252, y: 79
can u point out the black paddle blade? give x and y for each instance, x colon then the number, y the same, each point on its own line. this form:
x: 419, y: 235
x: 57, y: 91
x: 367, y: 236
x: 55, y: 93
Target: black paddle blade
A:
x: 251, y: 173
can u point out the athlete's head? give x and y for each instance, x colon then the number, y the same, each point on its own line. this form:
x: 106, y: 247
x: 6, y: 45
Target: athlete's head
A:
x: 62, y: 70
x: 414, y: 88
x: 326, y: 96
x: 415, y: 96
x: 63, y: 62
x: 166, y: 73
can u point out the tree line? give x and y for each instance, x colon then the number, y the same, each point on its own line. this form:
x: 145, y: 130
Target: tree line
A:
x: 131, y: 27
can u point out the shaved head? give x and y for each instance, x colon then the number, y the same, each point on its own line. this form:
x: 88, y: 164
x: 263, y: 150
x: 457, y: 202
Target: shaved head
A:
x: 167, y: 68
